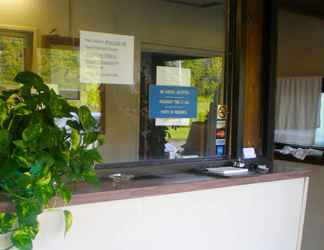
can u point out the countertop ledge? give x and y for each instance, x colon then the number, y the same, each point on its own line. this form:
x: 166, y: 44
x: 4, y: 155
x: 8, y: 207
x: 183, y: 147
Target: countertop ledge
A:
x: 168, y: 184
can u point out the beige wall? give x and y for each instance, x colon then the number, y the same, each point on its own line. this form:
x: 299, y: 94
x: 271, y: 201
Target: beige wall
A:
x: 156, y: 25
x: 301, y: 45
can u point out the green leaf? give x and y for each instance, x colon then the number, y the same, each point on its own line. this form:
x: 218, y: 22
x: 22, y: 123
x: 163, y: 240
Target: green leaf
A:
x: 32, y: 132
x: 91, y: 178
x: 29, y: 79
x: 24, y: 180
x: 22, y: 239
x: 36, y: 168
x: 3, y: 112
x: 28, y: 211
x: 68, y: 221
x: 101, y: 139
x: 90, y: 137
x: 65, y: 193
x: 74, y: 124
x: 19, y: 144
x: 51, y: 136
x: 59, y: 106
x: 21, y: 157
x: 45, y: 158
x: 12, y: 101
x: 4, y: 141
x: 8, y: 168
x: 44, y: 193
x: 86, y: 119
x: 7, y: 222
x: 93, y: 155
x: 22, y: 161
x: 75, y: 139
x: 42, y: 164
x: 21, y: 109
x: 45, y: 180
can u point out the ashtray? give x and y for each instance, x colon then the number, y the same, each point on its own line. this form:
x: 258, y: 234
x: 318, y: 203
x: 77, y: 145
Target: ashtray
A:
x: 120, y: 177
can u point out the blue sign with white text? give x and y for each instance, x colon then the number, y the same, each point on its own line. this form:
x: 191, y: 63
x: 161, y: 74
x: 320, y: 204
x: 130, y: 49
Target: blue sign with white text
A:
x: 172, y: 102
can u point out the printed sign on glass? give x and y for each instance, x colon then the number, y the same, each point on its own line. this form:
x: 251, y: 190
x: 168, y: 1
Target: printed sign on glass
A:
x: 172, y: 102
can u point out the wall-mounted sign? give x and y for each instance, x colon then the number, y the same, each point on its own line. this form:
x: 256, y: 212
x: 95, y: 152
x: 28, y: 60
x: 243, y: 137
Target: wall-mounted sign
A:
x: 172, y: 102
x: 106, y: 58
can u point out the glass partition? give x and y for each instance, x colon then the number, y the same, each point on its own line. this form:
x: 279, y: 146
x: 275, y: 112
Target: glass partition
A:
x: 151, y: 71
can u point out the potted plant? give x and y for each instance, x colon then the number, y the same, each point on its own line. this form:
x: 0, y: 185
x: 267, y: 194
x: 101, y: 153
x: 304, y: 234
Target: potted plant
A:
x: 39, y: 158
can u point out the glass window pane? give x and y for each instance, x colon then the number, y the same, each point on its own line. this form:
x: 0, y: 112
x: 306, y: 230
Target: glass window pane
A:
x: 108, y: 54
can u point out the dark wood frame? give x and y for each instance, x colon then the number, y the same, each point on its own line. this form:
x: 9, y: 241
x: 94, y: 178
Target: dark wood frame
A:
x: 234, y: 73
x: 270, y: 35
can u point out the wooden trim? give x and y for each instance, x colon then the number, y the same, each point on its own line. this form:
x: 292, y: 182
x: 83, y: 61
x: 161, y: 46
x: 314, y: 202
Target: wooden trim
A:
x: 48, y: 41
x: 253, y: 75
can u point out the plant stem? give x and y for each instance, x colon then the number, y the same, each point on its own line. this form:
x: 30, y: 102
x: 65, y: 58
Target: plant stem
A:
x: 11, y: 122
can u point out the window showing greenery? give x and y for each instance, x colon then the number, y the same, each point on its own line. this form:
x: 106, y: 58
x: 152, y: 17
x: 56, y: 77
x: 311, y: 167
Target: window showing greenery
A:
x: 55, y: 38
x: 11, y: 59
x: 207, y: 77
x: 183, y: 137
x: 60, y: 69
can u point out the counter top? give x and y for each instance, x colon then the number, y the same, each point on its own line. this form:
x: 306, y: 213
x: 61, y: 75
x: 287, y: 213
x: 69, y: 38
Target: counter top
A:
x: 163, y: 184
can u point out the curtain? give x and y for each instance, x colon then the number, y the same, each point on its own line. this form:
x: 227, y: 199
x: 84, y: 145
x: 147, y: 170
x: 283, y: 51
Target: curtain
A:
x: 298, y: 101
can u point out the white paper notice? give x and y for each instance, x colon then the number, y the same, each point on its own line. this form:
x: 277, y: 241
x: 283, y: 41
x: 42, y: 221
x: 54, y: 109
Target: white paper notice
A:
x: 106, y: 58
x: 249, y: 153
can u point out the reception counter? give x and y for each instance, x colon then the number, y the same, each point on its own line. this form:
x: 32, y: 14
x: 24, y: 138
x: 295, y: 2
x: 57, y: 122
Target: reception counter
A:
x: 184, y: 211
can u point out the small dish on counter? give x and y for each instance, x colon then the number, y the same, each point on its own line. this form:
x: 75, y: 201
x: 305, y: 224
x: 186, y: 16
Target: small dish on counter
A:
x: 120, y: 177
